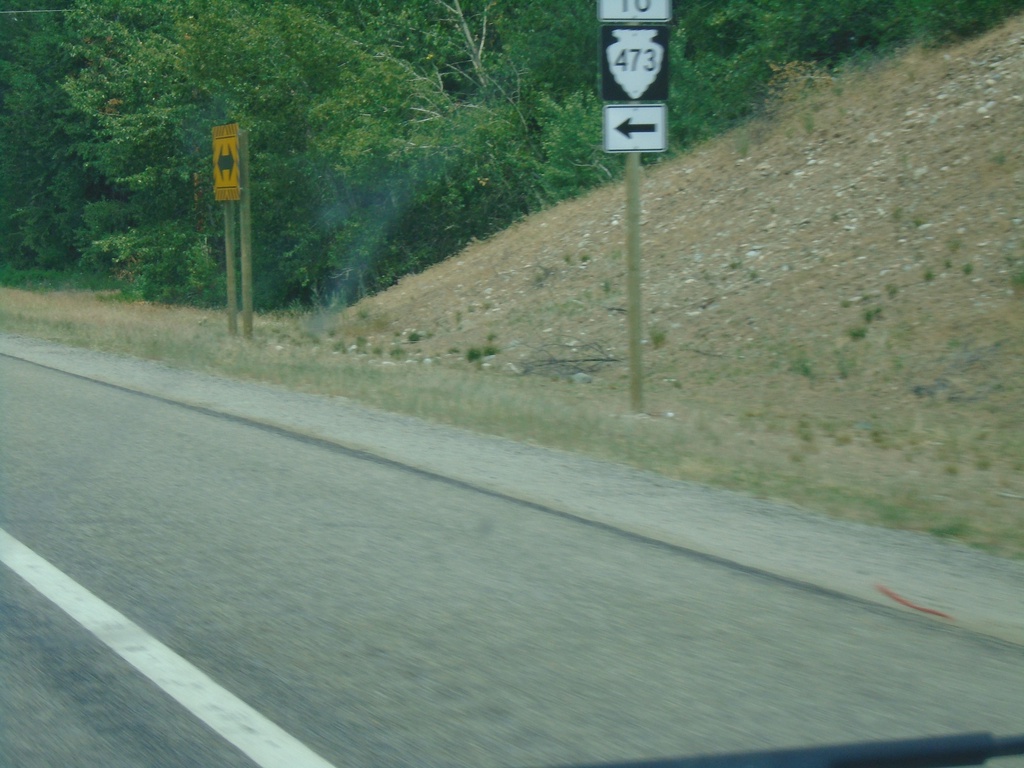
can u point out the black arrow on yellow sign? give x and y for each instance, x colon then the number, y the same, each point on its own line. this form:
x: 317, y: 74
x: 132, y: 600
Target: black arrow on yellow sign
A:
x: 225, y: 162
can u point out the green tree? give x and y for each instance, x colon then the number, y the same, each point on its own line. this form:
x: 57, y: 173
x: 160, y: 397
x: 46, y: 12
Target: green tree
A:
x: 383, y: 135
x: 42, y: 188
x: 145, y: 137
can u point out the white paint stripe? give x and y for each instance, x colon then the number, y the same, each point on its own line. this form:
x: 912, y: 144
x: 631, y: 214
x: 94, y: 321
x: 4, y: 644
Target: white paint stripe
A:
x: 263, y: 741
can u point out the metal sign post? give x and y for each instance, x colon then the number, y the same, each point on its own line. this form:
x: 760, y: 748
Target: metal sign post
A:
x: 634, y: 69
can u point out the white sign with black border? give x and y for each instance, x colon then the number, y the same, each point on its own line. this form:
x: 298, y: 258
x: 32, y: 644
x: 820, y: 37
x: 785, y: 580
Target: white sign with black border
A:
x: 635, y: 128
x: 647, y: 11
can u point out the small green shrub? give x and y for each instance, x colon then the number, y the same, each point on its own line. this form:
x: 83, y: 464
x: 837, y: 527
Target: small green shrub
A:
x: 800, y: 364
x: 477, y: 354
x: 658, y: 337
x: 858, y: 333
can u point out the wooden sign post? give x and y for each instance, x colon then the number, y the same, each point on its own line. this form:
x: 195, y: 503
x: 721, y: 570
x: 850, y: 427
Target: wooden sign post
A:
x: 231, y: 186
x: 634, y: 70
x: 246, y: 227
x: 229, y: 258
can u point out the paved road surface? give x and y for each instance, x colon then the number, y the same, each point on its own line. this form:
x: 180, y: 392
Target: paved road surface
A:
x: 382, y: 616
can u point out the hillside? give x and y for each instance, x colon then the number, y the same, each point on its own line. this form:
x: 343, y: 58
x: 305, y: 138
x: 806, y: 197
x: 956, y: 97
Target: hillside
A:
x: 838, y: 282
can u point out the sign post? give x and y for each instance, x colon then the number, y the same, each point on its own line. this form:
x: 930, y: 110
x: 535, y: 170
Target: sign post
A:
x: 231, y: 186
x: 229, y: 254
x: 246, y: 231
x: 633, y: 311
x: 634, y: 69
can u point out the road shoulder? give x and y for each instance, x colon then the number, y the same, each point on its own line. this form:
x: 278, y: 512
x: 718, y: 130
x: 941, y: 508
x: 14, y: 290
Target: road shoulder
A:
x: 977, y: 592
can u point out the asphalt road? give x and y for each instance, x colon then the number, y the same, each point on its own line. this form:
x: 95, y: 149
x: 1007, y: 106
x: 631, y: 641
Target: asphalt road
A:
x: 384, y: 616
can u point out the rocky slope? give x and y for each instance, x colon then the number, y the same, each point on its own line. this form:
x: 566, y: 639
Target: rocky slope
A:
x: 847, y: 268
x: 889, y: 200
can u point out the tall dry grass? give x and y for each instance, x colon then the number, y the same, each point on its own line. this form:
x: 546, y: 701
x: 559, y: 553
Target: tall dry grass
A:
x: 892, y: 475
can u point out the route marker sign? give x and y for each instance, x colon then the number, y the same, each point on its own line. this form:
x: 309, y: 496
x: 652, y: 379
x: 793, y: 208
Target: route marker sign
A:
x: 226, y: 163
x: 634, y: 66
x: 635, y: 128
x: 647, y: 11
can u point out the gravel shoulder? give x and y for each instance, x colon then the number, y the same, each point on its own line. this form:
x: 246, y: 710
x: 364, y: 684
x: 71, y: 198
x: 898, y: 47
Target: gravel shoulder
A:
x: 981, y: 593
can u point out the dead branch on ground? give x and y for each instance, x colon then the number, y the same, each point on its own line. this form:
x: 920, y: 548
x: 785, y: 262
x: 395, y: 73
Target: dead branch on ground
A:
x: 567, y: 358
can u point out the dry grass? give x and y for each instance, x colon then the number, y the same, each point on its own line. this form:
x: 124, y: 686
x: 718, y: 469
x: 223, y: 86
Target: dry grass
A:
x: 923, y: 473
x: 831, y: 302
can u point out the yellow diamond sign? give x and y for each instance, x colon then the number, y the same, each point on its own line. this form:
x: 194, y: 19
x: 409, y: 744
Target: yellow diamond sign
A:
x: 225, y: 162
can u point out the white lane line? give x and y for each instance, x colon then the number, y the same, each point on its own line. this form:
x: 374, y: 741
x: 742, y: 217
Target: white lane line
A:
x: 263, y: 741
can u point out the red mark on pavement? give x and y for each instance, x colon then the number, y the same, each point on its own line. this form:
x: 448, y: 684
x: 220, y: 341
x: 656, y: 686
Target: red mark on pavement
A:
x: 903, y: 601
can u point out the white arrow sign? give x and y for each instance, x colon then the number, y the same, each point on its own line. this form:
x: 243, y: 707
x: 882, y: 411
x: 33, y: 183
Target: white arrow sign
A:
x: 629, y: 128
x: 649, y: 11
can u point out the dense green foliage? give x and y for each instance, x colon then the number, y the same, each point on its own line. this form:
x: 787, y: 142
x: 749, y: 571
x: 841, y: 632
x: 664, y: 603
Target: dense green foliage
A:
x: 385, y: 134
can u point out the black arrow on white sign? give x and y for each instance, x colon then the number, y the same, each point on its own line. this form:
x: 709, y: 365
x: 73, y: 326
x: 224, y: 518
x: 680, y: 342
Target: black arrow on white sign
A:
x: 628, y: 128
